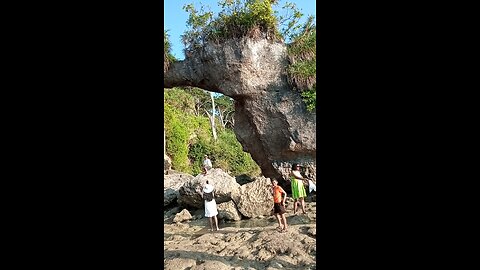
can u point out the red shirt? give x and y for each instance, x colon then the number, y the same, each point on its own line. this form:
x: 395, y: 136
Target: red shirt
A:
x: 277, y: 194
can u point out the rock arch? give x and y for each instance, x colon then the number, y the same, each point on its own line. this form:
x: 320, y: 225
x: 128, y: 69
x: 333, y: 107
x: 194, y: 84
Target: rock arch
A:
x: 271, y: 120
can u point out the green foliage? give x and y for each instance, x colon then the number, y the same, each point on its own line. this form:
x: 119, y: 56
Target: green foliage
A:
x: 189, y: 136
x: 179, y: 99
x: 310, y: 98
x: 236, y: 19
x: 304, y: 69
x: 230, y: 157
x: 305, y: 41
x: 302, y: 72
x: 289, y: 20
x: 176, y: 138
x: 168, y: 58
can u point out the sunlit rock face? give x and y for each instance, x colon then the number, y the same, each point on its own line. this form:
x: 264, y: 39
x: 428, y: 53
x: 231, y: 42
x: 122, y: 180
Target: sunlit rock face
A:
x: 271, y: 120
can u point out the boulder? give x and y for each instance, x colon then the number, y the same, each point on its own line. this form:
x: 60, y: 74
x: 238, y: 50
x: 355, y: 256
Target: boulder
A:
x: 255, y: 199
x: 167, y: 163
x: 228, y: 211
x: 226, y: 187
x: 172, y: 211
x: 182, y: 216
x: 171, y: 184
x: 243, y: 179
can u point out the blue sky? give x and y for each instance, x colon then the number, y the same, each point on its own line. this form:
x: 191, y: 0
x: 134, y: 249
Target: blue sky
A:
x: 175, y: 17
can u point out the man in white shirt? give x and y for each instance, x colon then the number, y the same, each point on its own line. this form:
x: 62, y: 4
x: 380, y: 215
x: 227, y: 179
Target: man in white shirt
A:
x: 207, y: 164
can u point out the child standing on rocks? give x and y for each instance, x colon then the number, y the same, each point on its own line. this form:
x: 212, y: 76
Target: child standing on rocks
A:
x: 207, y: 165
x: 279, y: 205
x: 211, y: 212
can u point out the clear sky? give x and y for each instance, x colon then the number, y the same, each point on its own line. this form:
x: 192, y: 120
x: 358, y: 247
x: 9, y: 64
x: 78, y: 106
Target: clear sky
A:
x: 175, y: 17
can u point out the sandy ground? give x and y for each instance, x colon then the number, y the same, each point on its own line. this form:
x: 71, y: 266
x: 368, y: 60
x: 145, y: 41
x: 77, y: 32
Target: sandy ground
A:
x: 250, y: 244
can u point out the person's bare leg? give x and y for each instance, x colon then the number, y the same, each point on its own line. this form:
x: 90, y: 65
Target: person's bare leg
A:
x: 279, y: 221
x: 302, y: 201
x: 285, y: 226
x: 210, y: 219
x: 295, y: 206
x: 216, y: 222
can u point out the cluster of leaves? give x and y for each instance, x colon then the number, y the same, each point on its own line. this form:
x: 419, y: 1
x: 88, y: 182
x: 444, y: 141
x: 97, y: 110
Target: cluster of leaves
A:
x: 189, y: 135
x: 238, y: 18
x: 302, y: 71
x: 168, y: 58
x: 177, y: 133
x: 310, y: 98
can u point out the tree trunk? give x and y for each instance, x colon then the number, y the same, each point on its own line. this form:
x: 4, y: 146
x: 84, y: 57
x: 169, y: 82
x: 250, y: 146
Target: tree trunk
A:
x: 212, y: 120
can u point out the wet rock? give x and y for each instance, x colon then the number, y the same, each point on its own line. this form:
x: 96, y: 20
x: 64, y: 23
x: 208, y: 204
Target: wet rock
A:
x: 228, y: 211
x: 225, y: 186
x: 171, y: 184
x: 182, y: 216
x: 199, y: 213
x: 255, y: 198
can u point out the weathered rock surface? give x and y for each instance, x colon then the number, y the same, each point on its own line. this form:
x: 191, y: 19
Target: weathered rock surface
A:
x: 182, y: 216
x: 172, y: 212
x: 211, y: 264
x: 226, y: 187
x: 179, y: 263
x: 255, y: 199
x: 252, y: 247
x: 167, y: 163
x: 171, y: 184
x: 309, y: 169
x: 271, y: 120
x: 228, y: 211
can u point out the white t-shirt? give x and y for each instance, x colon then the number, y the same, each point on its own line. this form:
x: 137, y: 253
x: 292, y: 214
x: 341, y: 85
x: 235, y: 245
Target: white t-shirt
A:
x: 207, y: 163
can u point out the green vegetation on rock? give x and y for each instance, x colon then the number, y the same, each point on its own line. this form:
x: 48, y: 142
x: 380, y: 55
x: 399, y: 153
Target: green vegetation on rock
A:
x: 189, y: 135
x: 257, y: 18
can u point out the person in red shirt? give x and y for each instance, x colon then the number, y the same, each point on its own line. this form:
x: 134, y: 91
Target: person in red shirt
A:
x: 279, y: 205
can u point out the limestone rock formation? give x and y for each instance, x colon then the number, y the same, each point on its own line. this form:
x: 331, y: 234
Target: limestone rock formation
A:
x: 255, y: 199
x: 171, y: 184
x: 182, y: 216
x: 226, y: 187
x: 271, y: 120
x: 228, y: 211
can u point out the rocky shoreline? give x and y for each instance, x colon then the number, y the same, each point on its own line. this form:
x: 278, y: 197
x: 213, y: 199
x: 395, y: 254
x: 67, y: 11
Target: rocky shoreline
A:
x: 190, y: 245
x: 248, y: 238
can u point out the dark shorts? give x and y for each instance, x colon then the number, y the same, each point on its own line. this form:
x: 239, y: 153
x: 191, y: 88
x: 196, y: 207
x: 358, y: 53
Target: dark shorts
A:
x: 278, y: 208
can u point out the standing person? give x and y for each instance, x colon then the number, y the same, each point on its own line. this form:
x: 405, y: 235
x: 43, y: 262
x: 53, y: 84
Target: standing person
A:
x: 207, y: 164
x: 211, y: 212
x: 298, y: 189
x: 279, y: 205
